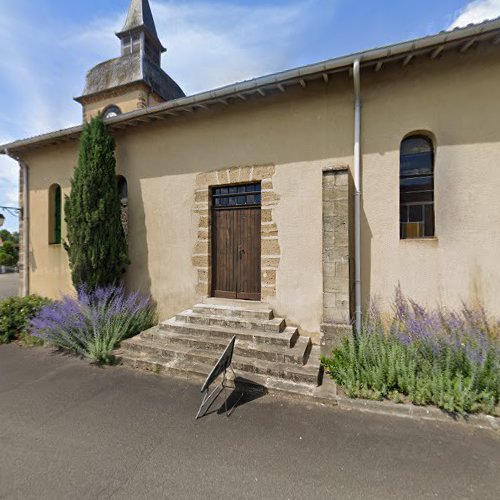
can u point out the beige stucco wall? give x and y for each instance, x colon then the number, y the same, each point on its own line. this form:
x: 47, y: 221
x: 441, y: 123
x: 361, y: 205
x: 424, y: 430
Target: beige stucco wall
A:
x: 49, y: 272
x: 161, y: 165
x: 457, y: 99
x: 300, y: 133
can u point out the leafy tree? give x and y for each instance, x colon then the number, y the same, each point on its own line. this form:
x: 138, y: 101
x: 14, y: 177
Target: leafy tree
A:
x: 95, y: 240
x: 6, y: 235
x: 9, y: 253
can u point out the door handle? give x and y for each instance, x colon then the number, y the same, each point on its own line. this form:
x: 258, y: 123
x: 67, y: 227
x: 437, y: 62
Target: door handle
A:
x: 242, y: 252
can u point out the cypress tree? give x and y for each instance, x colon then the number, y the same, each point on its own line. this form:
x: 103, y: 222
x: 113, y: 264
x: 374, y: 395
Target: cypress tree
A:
x: 95, y: 239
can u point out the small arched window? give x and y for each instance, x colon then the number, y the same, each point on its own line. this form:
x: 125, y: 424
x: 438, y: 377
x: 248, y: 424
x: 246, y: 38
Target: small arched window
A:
x: 111, y: 112
x: 55, y: 214
x: 123, y: 194
x: 417, y: 187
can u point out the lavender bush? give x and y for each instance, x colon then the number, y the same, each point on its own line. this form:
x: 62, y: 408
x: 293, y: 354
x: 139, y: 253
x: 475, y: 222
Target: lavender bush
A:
x: 447, y: 358
x: 95, y: 322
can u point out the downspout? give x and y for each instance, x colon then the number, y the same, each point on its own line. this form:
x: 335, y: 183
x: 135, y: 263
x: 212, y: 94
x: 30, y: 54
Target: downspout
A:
x: 26, y: 228
x: 357, y: 194
x: 25, y: 215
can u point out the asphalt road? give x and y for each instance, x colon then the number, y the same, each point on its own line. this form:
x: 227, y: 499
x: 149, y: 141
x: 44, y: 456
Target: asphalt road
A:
x: 70, y: 430
x: 9, y: 285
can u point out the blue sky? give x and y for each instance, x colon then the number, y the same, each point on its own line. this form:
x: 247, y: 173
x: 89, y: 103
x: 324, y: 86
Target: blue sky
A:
x: 46, y: 47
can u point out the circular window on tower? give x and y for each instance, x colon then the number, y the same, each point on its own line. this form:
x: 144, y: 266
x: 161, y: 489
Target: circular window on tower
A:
x: 111, y: 112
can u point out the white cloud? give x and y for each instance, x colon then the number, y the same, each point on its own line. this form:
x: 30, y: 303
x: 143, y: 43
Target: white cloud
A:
x: 9, y: 192
x: 216, y: 44
x: 210, y: 44
x: 476, y: 12
x: 9, y: 178
x: 8, y: 170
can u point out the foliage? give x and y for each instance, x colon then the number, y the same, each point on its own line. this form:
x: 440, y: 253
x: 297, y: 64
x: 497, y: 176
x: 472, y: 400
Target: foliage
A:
x: 449, y: 359
x: 95, y: 322
x: 95, y: 239
x: 15, y: 316
x: 9, y: 251
x: 6, y: 235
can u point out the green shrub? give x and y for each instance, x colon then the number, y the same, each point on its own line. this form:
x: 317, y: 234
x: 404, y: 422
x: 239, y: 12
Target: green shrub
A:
x: 96, y: 243
x: 15, y: 316
x: 451, y: 360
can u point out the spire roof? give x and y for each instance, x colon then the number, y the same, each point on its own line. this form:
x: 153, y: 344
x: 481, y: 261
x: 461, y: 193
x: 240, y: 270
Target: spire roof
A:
x: 140, y: 18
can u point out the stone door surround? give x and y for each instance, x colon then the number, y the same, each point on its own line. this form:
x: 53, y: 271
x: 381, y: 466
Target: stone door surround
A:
x: 202, y: 252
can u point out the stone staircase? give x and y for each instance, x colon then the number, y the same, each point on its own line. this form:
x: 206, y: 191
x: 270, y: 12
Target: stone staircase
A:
x: 268, y: 353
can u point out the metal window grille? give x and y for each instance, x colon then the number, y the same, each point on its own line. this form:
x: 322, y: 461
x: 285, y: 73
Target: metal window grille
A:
x: 247, y: 195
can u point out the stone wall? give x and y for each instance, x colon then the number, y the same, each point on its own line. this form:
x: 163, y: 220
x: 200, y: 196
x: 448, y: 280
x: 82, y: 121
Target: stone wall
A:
x: 336, y: 257
x: 270, y: 250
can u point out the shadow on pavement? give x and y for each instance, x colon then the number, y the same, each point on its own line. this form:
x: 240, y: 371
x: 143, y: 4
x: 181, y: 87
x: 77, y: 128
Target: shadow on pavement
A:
x: 245, y: 391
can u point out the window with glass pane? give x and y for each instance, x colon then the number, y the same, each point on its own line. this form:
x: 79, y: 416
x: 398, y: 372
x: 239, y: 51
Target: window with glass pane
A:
x: 55, y: 214
x: 236, y: 196
x: 417, y: 188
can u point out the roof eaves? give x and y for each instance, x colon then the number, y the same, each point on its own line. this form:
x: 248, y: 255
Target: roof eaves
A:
x: 343, y: 63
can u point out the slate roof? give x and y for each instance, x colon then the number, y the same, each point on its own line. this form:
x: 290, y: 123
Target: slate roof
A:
x: 140, y: 18
x: 127, y: 69
x: 135, y: 67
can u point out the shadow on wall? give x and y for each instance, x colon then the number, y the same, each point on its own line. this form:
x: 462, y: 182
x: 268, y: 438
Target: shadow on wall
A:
x: 137, y: 277
x: 32, y: 261
x: 292, y: 128
x: 366, y: 260
x: 366, y: 253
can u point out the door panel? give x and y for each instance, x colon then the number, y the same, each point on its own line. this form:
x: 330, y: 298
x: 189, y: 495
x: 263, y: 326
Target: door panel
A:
x: 236, y: 242
x: 223, y: 249
x: 249, y: 249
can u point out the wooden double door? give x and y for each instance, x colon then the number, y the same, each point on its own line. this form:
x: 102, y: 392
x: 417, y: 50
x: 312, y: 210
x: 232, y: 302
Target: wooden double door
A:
x: 236, y: 242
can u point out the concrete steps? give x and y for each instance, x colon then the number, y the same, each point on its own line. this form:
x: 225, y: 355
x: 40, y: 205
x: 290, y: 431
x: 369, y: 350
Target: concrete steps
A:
x: 198, y: 372
x: 267, y: 352
x: 160, y: 339
x: 142, y: 349
x: 286, y: 338
x: 275, y: 325
x: 228, y: 311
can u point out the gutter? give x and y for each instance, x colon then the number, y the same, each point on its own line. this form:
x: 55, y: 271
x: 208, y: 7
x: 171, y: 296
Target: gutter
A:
x: 26, y: 221
x: 434, y: 46
x: 357, y: 193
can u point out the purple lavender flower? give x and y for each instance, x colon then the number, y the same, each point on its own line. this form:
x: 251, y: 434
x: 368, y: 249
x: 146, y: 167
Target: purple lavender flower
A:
x: 468, y: 330
x: 94, y: 322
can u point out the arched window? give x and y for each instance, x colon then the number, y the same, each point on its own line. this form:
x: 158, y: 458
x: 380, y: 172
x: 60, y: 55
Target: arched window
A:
x: 55, y: 214
x: 111, y: 112
x: 123, y: 194
x: 417, y: 187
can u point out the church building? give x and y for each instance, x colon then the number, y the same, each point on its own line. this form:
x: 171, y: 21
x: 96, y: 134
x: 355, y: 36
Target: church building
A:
x: 277, y: 207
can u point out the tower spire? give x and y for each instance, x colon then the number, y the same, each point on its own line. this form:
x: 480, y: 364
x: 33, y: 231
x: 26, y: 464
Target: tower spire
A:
x: 140, y: 21
x: 134, y: 80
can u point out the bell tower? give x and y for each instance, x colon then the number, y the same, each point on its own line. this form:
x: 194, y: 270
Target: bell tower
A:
x: 139, y: 32
x: 135, y: 80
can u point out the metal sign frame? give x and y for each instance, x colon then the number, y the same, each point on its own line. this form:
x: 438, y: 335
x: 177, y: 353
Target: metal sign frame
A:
x: 223, y: 364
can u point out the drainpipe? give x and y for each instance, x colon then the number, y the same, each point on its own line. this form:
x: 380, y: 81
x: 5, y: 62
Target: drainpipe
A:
x: 357, y: 193
x: 26, y: 227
